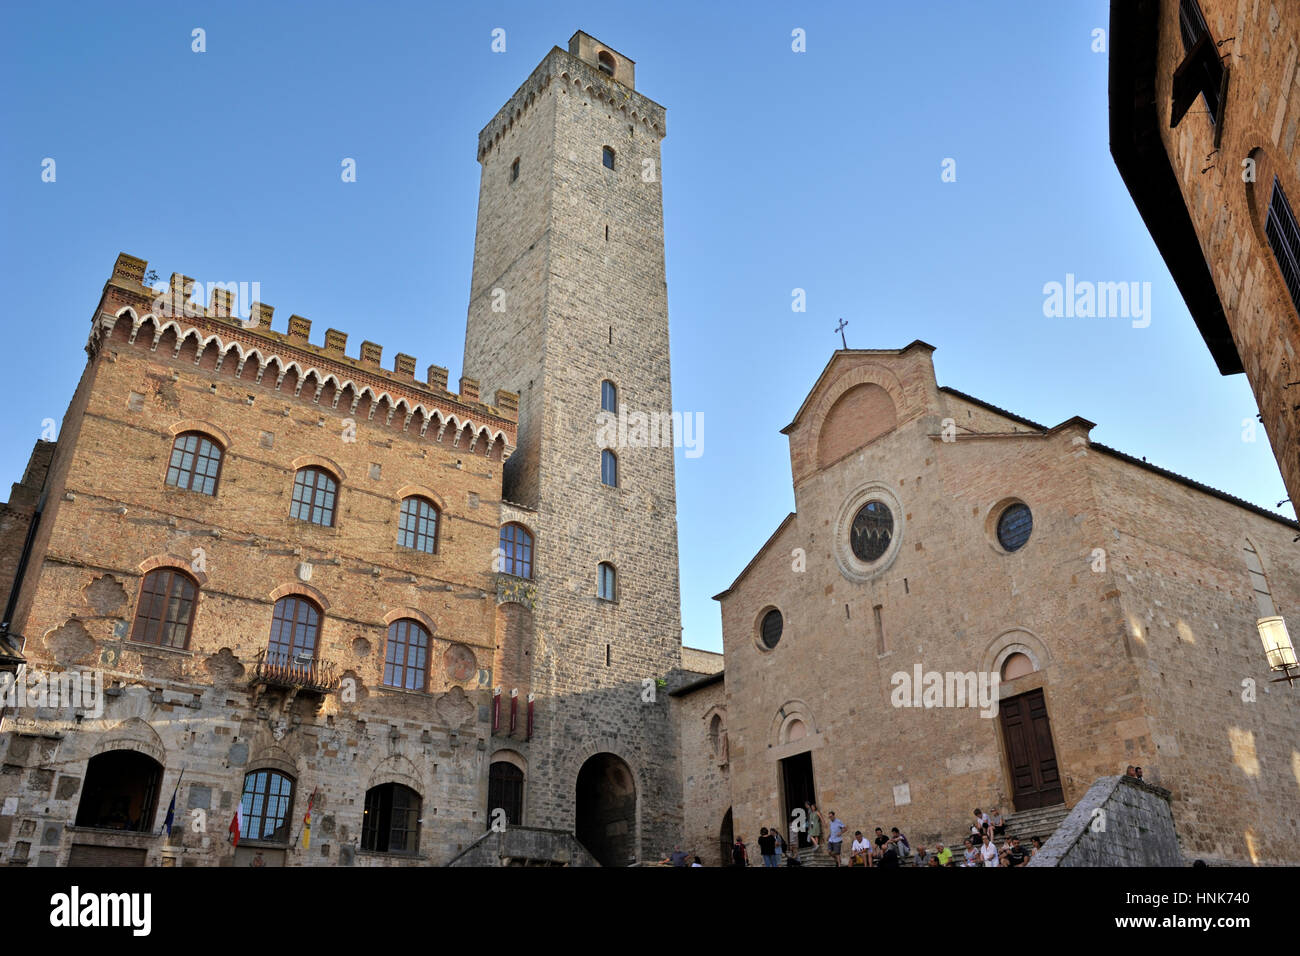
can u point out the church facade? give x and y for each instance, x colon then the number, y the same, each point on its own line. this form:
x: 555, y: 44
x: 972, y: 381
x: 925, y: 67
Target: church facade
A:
x: 968, y: 608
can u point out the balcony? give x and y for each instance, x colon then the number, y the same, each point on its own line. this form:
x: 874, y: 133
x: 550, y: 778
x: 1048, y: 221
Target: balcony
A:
x: 298, y: 673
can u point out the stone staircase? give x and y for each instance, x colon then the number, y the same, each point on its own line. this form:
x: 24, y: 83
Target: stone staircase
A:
x: 817, y: 856
x: 1041, y: 822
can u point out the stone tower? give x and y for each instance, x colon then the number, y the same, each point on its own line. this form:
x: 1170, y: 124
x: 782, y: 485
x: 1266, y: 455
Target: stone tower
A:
x: 568, y: 294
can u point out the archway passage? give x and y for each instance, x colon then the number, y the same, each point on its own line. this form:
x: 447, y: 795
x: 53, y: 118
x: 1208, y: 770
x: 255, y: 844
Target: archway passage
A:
x: 606, y: 810
x: 121, y: 791
x: 726, y: 840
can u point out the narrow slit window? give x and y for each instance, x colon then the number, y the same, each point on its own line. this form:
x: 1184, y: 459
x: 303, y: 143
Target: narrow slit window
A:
x: 607, y: 157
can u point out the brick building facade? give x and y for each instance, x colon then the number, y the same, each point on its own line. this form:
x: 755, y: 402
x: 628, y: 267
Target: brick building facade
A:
x: 1204, y: 110
x: 1115, y: 602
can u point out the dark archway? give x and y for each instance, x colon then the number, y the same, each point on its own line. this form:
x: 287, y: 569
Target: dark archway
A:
x: 726, y: 839
x: 505, y: 792
x: 121, y: 791
x: 606, y: 810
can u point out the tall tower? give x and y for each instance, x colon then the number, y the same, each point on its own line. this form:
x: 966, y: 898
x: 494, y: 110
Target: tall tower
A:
x: 568, y: 306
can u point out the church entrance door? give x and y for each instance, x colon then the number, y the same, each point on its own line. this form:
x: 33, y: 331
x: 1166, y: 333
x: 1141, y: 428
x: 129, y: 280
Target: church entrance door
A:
x: 1035, y: 777
x: 798, y: 787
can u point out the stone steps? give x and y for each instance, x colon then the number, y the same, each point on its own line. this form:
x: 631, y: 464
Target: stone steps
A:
x: 1041, y: 822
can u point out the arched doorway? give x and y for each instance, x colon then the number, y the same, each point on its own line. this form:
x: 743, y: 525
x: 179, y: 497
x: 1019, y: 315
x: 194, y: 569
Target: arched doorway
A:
x: 505, y: 793
x: 606, y: 810
x: 726, y: 840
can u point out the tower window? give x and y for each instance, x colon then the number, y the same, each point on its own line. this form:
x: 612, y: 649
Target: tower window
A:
x: 607, y: 157
x: 608, y: 396
x: 514, y: 170
x: 165, y: 612
x: 1284, y: 239
x: 605, y: 582
x: 609, y: 468
x: 605, y: 63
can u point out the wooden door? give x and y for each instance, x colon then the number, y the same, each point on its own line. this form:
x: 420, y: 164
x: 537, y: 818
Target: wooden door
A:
x: 1027, y: 732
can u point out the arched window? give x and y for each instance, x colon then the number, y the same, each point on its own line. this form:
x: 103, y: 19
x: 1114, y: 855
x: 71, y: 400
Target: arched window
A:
x: 164, y: 614
x: 195, y: 463
x: 607, y: 157
x: 267, y: 802
x: 392, y: 820
x: 514, y: 170
x: 314, y: 491
x: 516, y: 550
x: 1259, y: 583
x: 606, y: 582
x: 406, y: 659
x: 608, y: 468
x: 418, y: 528
x: 608, y: 396
x: 295, y: 628
x: 605, y: 62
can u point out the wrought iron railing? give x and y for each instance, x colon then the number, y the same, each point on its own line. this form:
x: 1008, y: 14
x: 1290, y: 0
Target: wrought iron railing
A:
x: 296, y: 671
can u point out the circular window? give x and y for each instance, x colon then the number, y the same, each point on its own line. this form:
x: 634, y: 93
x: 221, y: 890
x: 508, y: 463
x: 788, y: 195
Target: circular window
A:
x: 871, y: 532
x: 1014, y: 527
x: 769, y: 632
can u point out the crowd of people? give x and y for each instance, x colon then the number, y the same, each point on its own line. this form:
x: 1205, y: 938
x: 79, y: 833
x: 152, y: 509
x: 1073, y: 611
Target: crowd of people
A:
x: 828, y: 834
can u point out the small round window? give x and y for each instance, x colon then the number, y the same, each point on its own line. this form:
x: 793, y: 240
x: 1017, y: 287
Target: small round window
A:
x: 1015, y: 526
x: 769, y: 632
x: 873, y: 529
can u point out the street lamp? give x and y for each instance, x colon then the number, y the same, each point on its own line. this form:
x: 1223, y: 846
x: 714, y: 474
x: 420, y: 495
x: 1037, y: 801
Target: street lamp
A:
x: 1278, y: 648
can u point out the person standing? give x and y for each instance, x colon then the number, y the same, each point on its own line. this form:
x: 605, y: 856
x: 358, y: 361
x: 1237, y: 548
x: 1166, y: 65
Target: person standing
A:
x: 835, y: 837
x: 739, y: 854
x: 778, y: 843
x: 814, y: 825
x: 767, y: 847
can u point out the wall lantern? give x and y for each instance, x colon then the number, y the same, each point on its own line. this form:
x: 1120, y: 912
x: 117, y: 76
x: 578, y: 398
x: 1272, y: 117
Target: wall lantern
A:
x: 1278, y: 648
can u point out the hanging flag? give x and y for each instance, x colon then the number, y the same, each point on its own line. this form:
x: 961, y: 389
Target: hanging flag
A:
x: 306, y: 822
x: 237, y: 823
x: 171, y: 807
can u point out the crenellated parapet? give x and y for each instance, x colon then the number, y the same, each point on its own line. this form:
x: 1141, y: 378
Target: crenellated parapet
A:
x: 563, y: 66
x: 251, y: 350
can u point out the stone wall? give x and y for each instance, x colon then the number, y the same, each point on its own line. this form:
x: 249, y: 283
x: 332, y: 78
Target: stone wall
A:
x: 1120, y: 821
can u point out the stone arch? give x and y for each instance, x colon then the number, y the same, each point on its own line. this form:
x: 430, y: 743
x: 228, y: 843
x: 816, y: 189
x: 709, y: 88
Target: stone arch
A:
x: 789, y: 714
x: 207, y: 428
x: 862, y: 413
x: 302, y: 590
x: 271, y: 757
x: 134, y: 733
x: 397, y: 613
x: 396, y: 769
x: 320, y: 461
x: 1015, y: 640
x: 864, y: 374
x: 423, y: 491
x: 169, y: 561
x: 607, y: 809
x: 715, y: 724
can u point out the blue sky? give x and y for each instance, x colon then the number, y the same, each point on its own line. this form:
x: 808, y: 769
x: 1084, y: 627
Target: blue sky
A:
x: 817, y: 170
